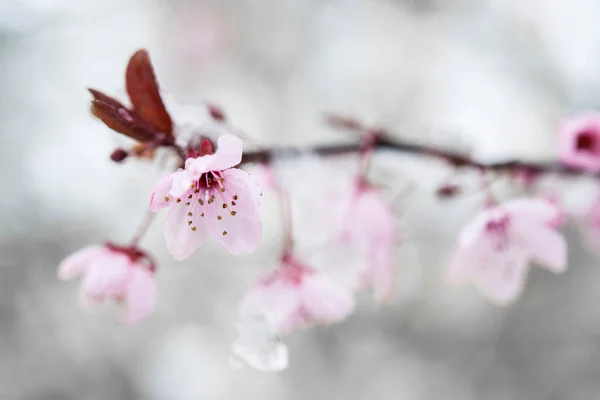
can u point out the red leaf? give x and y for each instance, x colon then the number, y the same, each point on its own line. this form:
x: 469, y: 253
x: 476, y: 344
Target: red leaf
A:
x: 142, y: 88
x: 118, y: 118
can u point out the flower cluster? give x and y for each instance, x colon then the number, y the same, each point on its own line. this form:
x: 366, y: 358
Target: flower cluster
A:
x: 340, y: 233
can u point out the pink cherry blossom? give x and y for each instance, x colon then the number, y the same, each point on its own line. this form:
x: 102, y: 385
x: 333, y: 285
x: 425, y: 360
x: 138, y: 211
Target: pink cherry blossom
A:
x: 588, y: 222
x: 580, y: 142
x: 371, y: 224
x: 111, y: 272
x: 211, y: 197
x: 296, y: 295
x: 494, y: 250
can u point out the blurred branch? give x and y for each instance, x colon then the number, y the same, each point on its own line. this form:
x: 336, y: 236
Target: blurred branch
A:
x: 383, y: 141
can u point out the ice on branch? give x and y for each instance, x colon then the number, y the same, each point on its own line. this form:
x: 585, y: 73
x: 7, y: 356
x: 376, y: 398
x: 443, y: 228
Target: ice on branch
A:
x: 258, y: 344
x: 210, y: 196
x: 125, y: 275
x: 494, y: 250
x: 580, y: 142
x: 295, y: 295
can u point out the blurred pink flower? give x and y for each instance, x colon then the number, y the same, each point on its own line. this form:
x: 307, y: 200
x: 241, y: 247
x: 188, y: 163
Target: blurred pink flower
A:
x: 588, y: 223
x: 210, y: 196
x: 494, y: 250
x: 295, y: 295
x: 579, y: 144
x: 110, y: 272
x: 370, y: 226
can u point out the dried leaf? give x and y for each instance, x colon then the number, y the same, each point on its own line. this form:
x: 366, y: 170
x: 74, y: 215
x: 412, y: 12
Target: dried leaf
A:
x: 143, y: 91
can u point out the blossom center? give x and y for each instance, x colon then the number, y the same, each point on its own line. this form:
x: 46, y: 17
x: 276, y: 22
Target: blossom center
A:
x: 587, y: 141
x: 497, y: 230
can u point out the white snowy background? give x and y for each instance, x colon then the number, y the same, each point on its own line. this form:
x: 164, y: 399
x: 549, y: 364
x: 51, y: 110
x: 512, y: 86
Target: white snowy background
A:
x: 494, y: 76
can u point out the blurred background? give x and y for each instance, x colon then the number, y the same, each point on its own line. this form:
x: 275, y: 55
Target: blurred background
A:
x: 494, y: 76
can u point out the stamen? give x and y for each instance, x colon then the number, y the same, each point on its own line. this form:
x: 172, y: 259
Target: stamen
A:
x: 187, y: 204
x: 222, y: 189
x: 235, y: 197
x: 201, y: 202
x: 194, y: 228
x: 224, y: 233
x: 224, y: 205
x: 233, y: 213
x: 190, y: 214
x: 167, y: 198
x: 190, y: 196
x: 202, y: 215
x: 233, y: 203
x: 189, y: 222
x: 179, y: 200
x: 219, y: 217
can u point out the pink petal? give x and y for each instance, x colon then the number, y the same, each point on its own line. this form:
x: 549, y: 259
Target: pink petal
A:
x: 532, y: 211
x: 382, y: 276
x: 462, y: 265
x: 161, y: 196
x: 181, y: 240
x: 238, y: 180
x: 234, y: 224
x: 502, y: 278
x: 277, y: 298
x: 549, y: 248
x: 139, y: 295
x: 78, y: 262
x: 325, y: 300
x: 181, y: 184
x: 227, y: 155
x: 569, y: 132
x: 104, y: 278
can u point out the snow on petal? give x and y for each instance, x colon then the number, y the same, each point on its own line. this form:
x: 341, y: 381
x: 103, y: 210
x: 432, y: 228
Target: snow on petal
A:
x: 184, y: 227
x: 579, y: 142
x: 76, y: 263
x: 140, y: 296
x: 161, y: 193
x: 258, y: 344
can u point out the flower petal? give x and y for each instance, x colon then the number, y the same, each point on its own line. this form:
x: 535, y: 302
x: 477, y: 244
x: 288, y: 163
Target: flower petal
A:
x: 78, y: 262
x: 238, y: 181
x: 181, y: 237
x: 161, y: 196
x: 503, y: 278
x: 570, y: 133
x: 325, y: 300
x: 274, y: 297
x: 105, y: 278
x: 532, y: 211
x: 139, y: 295
x: 181, y: 183
x: 549, y: 248
x: 234, y: 223
x: 227, y: 155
